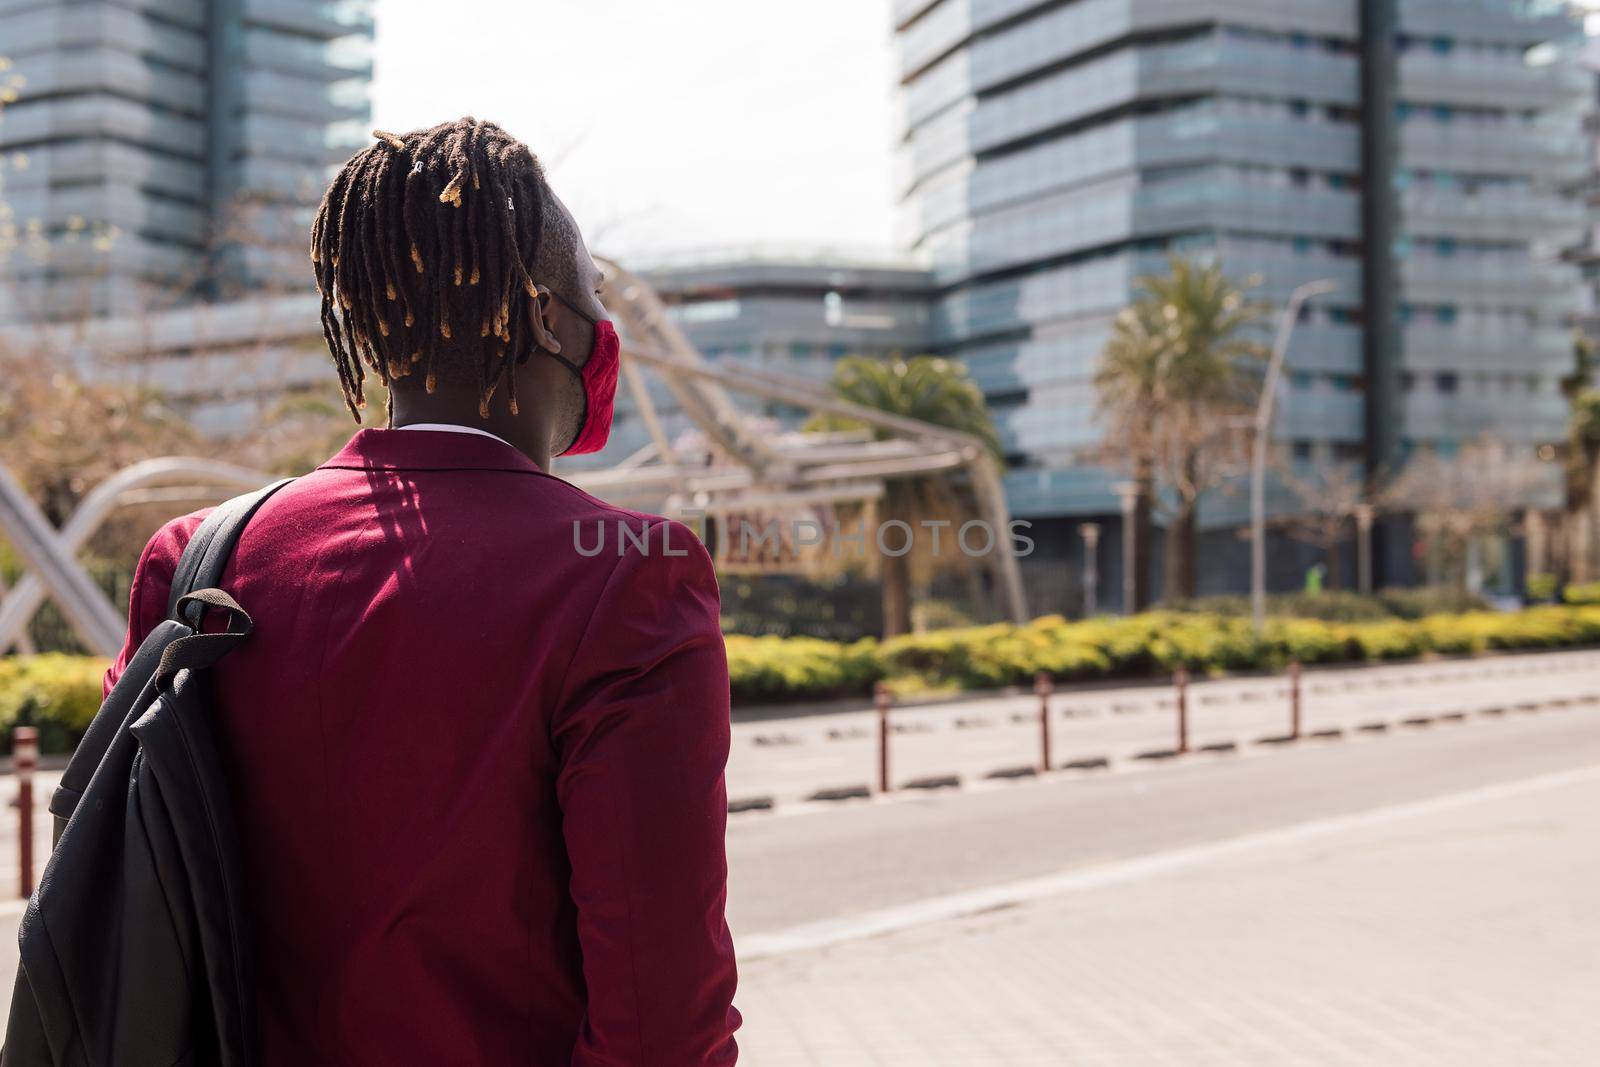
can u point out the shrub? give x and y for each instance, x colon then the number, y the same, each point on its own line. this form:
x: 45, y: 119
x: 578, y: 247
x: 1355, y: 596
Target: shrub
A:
x: 1430, y: 600
x: 60, y: 693
x: 1309, y: 641
x: 1329, y: 606
x: 1585, y: 595
x: 1342, y: 606
x: 1542, y: 587
x: 772, y: 669
x: 55, y: 692
x: 1394, y: 639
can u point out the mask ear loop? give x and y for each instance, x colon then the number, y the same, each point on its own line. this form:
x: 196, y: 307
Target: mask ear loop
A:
x: 545, y: 342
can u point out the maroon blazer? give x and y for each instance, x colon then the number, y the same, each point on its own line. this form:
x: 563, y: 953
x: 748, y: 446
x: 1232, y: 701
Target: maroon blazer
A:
x: 477, y: 765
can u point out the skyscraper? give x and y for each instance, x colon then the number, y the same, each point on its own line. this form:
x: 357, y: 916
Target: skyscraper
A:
x: 167, y: 151
x: 1419, y: 153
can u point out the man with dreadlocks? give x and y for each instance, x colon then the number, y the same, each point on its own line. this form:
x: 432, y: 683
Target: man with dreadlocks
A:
x: 477, y: 766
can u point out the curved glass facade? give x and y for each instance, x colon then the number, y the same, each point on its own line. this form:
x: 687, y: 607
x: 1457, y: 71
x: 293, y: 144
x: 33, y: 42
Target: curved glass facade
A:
x: 1053, y: 152
x: 175, y: 149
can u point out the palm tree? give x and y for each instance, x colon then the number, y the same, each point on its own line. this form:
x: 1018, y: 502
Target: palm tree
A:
x: 931, y: 390
x: 1582, y: 461
x: 1177, y: 376
x: 1127, y: 382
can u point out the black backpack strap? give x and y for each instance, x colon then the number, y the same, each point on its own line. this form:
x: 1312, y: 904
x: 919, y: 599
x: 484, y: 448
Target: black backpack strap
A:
x: 199, y: 651
x: 206, y: 555
x: 200, y: 567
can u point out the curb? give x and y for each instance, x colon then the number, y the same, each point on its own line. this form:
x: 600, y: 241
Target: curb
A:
x: 849, y: 792
x: 775, y: 736
x: 1170, y: 755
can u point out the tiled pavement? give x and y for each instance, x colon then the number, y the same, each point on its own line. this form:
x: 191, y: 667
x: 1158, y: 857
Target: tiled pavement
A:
x: 1453, y: 937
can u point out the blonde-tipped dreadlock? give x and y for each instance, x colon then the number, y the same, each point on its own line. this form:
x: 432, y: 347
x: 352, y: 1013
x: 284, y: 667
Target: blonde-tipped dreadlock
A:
x: 423, y: 251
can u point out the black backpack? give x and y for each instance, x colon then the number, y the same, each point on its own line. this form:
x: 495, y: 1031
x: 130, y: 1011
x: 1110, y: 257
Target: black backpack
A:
x: 135, y: 949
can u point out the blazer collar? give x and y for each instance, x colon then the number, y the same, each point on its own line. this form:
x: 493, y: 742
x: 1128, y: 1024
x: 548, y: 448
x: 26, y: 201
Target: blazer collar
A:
x: 425, y: 450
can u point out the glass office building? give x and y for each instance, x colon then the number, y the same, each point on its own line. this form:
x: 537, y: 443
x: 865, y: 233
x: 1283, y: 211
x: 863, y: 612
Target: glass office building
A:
x: 792, y: 310
x: 1420, y: 153
x: 164, y: 151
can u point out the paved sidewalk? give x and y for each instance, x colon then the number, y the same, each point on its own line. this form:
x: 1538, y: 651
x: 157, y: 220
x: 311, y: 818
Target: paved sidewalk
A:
x: 1463, y: 935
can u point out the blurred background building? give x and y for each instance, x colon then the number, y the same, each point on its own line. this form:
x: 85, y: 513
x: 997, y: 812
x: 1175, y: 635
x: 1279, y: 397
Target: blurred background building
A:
x: 789, y: 309
x: 1586, y: 254
x: 1423, y: 154
x: 171, y: 151
x: 1434, y: 158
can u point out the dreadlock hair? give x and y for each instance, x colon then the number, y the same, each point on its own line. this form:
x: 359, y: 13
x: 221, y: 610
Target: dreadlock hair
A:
x: 424, y: 249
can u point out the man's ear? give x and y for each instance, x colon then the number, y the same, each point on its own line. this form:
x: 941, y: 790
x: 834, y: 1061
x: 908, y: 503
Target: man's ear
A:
x: 541, y: 318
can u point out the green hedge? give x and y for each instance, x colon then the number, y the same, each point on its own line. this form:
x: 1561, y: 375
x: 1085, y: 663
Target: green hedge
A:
x: 771, y: 669
x: 56, y: 692
x: 1585, y: 594
x: 59, y: 693
x: 986, y: 657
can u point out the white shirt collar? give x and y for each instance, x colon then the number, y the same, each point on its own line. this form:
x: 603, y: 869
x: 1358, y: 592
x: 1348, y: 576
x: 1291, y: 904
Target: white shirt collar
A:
x: 450, y: 427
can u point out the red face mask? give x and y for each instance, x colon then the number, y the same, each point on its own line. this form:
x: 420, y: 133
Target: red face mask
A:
x: 599, y: 380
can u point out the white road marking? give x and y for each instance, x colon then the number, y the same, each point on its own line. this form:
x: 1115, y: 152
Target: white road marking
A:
x: 956, y: 905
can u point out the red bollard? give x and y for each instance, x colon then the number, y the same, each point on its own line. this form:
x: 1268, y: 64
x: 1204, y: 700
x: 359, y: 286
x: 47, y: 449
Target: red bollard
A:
x: 1180, y: 681
x: 25, y: 754
x: 1044, y: 686
x: 881, y: 701
x: 1294, y: 699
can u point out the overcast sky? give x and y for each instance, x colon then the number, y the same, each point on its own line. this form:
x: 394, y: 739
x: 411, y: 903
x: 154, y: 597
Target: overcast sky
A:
x: 668, y: 125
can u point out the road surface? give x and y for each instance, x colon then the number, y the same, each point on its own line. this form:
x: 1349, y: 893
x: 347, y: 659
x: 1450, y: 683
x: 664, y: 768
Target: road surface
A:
x: 1421, y: 898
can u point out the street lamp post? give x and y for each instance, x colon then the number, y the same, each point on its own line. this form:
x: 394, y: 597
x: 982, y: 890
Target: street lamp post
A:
x: 1128, y: 497
x: 1091, y: 569
x: 1258, y: 459
x: 1366, y: 515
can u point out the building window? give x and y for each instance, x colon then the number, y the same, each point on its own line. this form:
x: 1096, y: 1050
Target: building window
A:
x: 705, y: 311
x: 1447, y: 382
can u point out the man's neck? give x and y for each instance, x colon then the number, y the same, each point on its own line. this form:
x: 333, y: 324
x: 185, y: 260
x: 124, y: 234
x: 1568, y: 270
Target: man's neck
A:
x: 454, y: 407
